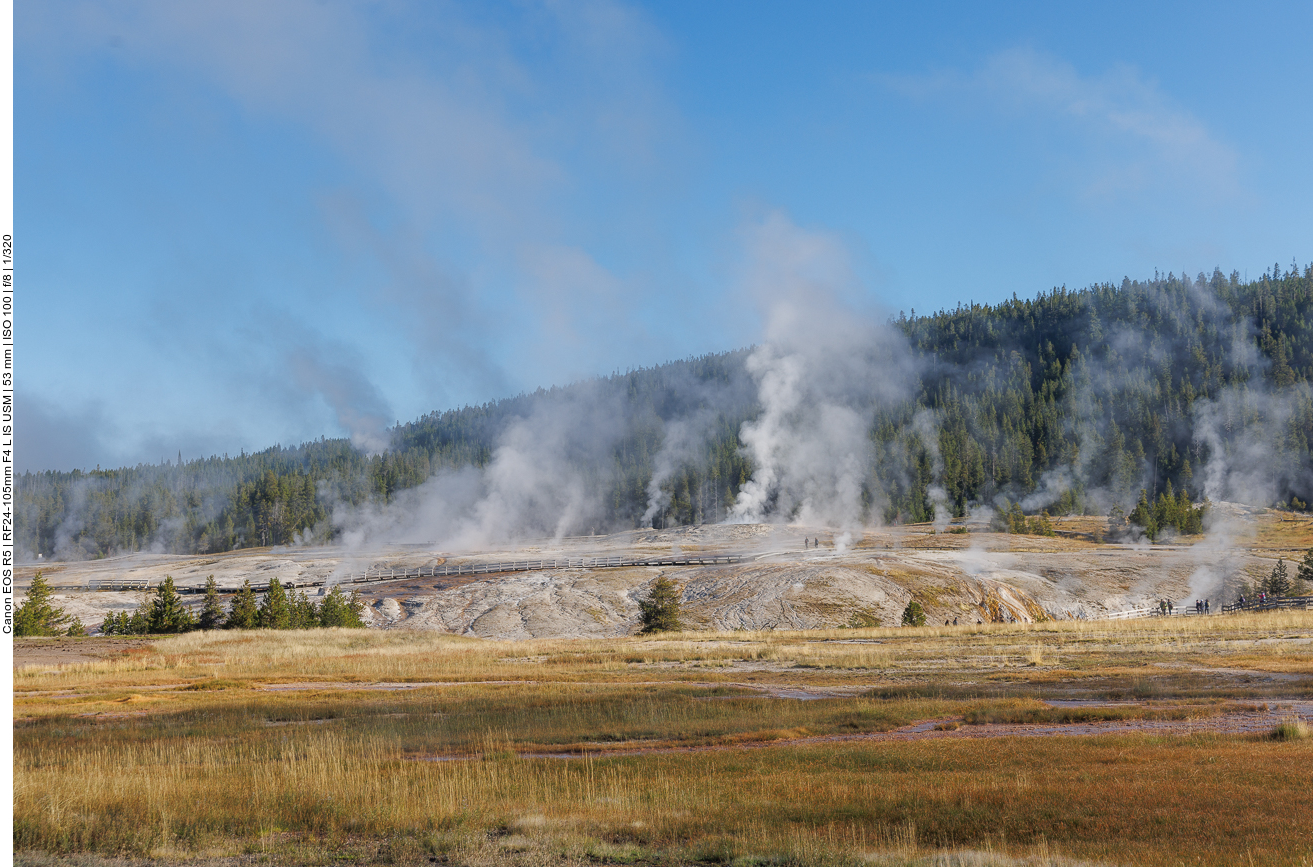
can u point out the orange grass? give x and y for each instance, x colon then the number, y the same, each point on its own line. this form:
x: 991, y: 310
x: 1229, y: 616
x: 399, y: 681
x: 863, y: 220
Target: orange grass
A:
x: 115, y: 758
x: 1130, y: 799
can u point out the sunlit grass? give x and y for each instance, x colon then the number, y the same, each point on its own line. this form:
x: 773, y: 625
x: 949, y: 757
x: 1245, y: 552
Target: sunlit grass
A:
x: 675, y: 749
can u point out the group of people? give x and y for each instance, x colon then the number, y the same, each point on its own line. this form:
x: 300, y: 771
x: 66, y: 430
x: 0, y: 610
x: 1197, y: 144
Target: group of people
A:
x: 813, y: 543
x: 1166, y: 607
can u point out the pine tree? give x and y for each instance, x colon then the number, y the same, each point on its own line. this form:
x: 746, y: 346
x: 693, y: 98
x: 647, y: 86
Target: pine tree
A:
x: 109, y: 626
x: 212, y: 609
x: 1278, y: 583
x: 1016, y: 519
x: 1305, y: 573
x: 914, y: 614
x: 242, y: 611
x: 332, y: 611
x: 1142, y: 516
x: 76, y: 629
x: 168, y: 615
x: 35, y: 614
x: 339, y: 610
x: 1040, y: 525
x: 355, y: 611
x: 275, y: 613
x: 1116, y: 522
x: 660, y: 609
x: 304, y: 613
x: 139, y: 622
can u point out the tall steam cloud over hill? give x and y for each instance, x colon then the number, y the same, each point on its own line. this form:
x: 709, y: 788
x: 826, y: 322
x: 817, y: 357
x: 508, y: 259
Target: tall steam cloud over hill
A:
x: 821, y: 371
x: 1076, y: 401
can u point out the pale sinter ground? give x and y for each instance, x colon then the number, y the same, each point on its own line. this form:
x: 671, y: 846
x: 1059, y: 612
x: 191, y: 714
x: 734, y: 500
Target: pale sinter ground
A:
x: 868, y: 580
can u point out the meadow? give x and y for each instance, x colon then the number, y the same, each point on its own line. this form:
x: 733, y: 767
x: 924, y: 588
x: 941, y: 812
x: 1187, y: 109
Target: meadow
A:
x: 1158, y: 741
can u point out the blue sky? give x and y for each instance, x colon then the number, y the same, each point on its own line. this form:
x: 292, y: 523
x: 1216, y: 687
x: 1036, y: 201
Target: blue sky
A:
x: 244, y: 223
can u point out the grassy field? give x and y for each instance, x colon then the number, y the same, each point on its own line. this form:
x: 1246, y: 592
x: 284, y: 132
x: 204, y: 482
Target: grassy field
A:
x: 844, y: 747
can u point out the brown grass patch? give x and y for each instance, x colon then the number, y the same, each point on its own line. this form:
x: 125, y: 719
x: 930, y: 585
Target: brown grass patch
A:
x: 219, y: 770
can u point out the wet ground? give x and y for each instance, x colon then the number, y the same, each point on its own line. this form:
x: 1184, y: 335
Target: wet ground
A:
x: 1255, y: 722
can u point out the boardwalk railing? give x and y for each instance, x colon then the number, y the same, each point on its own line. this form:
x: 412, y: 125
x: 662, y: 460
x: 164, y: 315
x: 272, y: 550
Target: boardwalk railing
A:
x: 391, y: 574
x: 1153, y: 611
x: 1290, y: 602
x: 1271, y: 604
x: 1146, y: 611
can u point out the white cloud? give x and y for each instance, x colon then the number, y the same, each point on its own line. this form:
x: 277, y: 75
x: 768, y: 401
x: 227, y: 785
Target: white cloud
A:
x: 1140, y: 137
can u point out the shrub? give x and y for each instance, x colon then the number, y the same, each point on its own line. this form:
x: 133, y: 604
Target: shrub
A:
x: 1291, y: 729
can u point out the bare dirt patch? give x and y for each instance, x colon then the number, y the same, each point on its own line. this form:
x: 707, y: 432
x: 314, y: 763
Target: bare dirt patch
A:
x: 66, y: 651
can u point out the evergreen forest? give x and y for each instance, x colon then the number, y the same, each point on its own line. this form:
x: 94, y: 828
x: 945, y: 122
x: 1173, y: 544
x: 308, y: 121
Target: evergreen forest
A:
x: 1090, y: 400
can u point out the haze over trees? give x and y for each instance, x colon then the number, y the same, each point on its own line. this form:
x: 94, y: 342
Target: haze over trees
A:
x: 1111, y: 397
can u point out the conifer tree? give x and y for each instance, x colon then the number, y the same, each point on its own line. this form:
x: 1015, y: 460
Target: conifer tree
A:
x: 212, y: 608
x: 242, y: 611
x: 340, y: 610
x: 1143, y: 516
x: 275, y: 613
x: 331, y: 610
x: 914, y: 614
x: 1040, y: 525
x: 168, y: 615
x: 1278, y: 583
x: 139, y: 622
x: 304, y: 612
x: 660, y: 609
x: 35, y: 614
x: 1305, y: 573
x: 76, y: 629
x: 1016, y: 519
x: 356, y: 610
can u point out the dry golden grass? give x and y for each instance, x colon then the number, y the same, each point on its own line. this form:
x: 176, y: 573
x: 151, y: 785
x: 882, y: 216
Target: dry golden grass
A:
x: 1284, y: 533
x: 117, y: 758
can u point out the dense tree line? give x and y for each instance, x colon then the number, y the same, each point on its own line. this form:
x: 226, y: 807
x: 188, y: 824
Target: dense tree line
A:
x: 164, y: 613
x: 1073, y: 401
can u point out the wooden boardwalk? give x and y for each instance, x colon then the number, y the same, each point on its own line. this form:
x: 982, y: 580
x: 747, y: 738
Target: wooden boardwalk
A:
x: 1286, y: 602
x: 372, y: 576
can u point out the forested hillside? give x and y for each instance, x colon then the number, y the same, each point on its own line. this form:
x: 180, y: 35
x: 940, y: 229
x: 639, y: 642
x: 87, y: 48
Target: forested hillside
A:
x: 1072, y: 401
